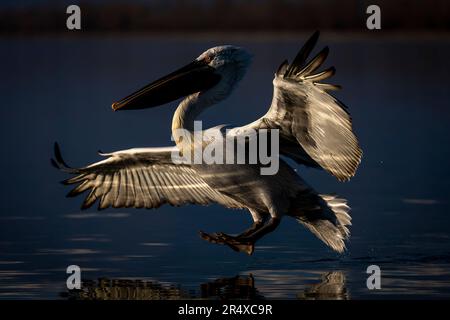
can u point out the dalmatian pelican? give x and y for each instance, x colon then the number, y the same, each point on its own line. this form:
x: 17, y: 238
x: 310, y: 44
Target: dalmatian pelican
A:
x: 315, y: 130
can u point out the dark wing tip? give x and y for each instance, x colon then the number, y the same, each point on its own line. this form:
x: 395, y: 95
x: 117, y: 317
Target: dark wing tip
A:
x: 85, y: 205
x: 58, y: 162
x: 312, y: 41
x: 282, y: 68
x: 326, y: 51
x: 72, y: 193
x: 58, y: 155
x: 300, y: 59
x: 314, y: 38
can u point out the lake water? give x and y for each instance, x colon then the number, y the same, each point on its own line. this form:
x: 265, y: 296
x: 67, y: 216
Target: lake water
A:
x: 61, y: 89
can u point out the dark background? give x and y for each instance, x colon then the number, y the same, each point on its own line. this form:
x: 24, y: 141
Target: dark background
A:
x: 36, y: 17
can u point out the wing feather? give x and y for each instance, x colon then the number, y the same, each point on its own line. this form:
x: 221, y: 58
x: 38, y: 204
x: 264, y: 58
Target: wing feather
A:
x: 106, y: 196
x: 140, y: 178
x: 131, y: 194
x: 315, y: 128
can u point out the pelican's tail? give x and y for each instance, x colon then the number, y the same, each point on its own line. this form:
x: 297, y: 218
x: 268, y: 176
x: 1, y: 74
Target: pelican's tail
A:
x: 326, y: 216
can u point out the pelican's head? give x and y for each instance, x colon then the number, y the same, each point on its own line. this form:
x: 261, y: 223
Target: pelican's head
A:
x: 230, y: 62
x: 219, y: 68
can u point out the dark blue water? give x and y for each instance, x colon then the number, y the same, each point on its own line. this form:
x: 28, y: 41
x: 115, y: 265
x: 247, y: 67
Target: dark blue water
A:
x: 61, y: 89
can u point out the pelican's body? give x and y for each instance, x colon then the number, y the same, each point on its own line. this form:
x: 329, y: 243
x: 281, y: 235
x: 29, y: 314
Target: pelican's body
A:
x: 314, y: 130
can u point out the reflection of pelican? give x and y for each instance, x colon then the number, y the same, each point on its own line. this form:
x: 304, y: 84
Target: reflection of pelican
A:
x: 239, y: 287
x: 331, y: 287
x: 315, y: 130
x: 126, y: 289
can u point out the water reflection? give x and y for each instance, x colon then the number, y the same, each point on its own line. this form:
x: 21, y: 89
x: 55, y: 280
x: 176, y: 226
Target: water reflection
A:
x: 238, y: 287
x: 125, y: 289
x: 330, y: 287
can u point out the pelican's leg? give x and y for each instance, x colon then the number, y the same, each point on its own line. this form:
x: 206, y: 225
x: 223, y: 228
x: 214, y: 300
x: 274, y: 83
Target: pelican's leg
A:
x: 258, y: 222
x: 270, y: 226
x: 247, y: 243
x: 255, y: 226
x: 233, y: 241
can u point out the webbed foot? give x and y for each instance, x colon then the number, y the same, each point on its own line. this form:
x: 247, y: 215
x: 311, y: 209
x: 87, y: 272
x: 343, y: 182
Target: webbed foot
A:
x: 235, y: 243
x: 212, y: 238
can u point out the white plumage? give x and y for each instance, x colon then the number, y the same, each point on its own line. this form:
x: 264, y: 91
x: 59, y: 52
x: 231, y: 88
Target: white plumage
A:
x: 315, y: 130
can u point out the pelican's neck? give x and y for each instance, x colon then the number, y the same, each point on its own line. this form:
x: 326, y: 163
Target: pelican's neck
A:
x: 186, y: 113
x: 192, y: 106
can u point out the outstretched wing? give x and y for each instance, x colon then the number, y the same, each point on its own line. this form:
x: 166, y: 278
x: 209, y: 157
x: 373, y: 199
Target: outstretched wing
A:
x: 315, y: 128
x: 140, y: 178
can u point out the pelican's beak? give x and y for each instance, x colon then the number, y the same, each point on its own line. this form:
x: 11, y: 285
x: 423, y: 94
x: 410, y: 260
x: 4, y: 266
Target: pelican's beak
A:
x: 196, y: 76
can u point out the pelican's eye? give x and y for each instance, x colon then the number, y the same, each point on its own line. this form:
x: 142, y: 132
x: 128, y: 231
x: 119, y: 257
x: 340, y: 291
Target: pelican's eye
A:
x: 207, y: 59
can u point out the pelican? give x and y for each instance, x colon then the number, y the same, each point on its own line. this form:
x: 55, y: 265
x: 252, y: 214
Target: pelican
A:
x: 315, y: 130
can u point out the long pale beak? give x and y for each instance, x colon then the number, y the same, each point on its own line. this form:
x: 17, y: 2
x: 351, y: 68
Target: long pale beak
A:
x: 195, y: 77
